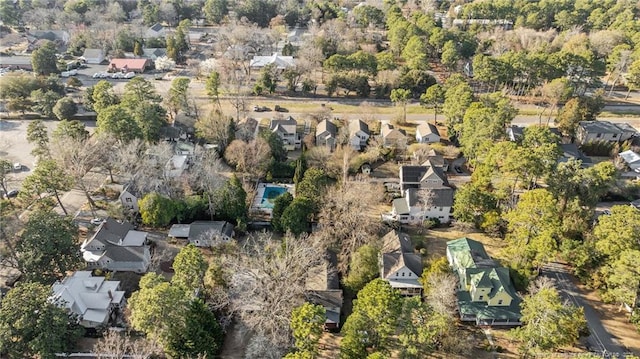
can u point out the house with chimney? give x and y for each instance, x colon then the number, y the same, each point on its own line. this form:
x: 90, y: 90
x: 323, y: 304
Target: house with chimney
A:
x: 117, y: 246
x: 399, y: 264
x: 287, y: 130
x: 94, y: 300
x: 426, y: 194
x: 485, y: 293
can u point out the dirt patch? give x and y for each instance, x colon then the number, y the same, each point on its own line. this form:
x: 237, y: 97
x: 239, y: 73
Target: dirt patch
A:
x: 235, y: 341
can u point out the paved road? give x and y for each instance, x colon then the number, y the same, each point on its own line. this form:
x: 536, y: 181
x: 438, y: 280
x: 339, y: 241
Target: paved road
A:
x: 600, y: 340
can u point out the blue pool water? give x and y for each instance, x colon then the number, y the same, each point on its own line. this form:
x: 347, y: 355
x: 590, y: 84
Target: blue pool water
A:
x: 270, y: 194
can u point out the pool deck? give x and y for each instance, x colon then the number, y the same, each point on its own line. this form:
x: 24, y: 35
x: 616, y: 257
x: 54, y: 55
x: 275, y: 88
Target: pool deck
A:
x: 259, y: 198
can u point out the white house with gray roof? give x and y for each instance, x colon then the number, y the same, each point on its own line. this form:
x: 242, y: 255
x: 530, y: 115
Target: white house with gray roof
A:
x: 326, y: 132
x: 358, y: 134
x: 425, y: 194
x: 287, y: 130
x: 594, y: 131
x: 427, y: 133
x: 93, y: 56
x: 399, y: 264
x: 117, y: 246
x: 92, y: 299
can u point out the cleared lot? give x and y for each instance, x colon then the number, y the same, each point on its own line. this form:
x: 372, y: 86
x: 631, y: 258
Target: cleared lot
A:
x: 14, y: 146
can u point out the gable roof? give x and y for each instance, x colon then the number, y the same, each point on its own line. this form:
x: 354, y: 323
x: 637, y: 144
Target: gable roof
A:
x: 157, y: 27
x: 326, y: 126
x: 93, y: 53
x: 425, y: 129
x: 358, y: 125
x: 90, y: 297
x: 417, y: 174
x: 469, y: 253
x: 154, y: 52
x: 110, y: 232
x: 396, y: 241
x: 211, y: 229
x: 287, y: 126
x: 388, y: 131
x: 130, y: 64
x: 599, y: 127
x: 392, y: 262
x: 281, y: 62
x: 439, y: 196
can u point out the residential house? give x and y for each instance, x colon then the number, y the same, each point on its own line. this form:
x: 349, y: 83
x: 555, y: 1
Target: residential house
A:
x: 326, y: 133
x: 117, y: 246
x: 129, y: 65
x: 399, y: 264
x: 425, y: 194
x: 322, y: 287
x: 392, y: 137
x: 94, y: 300
x: 591, y: 131
x: 247, y: 129
x: 16, y: 62
x: 571, y: 151
x: 93, y: 56
x: 423, y: 176
x: 427, y: 133
x: 432, y: 157
x: 515, y: 133
x: 485, y: 292
x: 153, y: 53
x: 358, y: 134
x: 156, y: 30
x: 280, y: 62
x: 632, y: 160
x: 130, y: 196
x: 287, y: 130
x: 203, y: 233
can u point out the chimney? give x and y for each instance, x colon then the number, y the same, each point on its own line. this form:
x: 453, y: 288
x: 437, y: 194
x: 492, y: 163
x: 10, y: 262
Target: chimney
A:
x: 110, y: 294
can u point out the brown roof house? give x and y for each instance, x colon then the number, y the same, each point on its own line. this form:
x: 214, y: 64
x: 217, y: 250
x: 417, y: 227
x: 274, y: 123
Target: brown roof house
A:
x: 399, y: 264
x: 392, y: 137
x: 129, y: 65
x: 117, y: 246
x: 322, y: 287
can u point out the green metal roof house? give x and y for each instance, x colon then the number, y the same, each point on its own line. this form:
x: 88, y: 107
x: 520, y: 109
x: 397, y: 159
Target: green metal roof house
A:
x: 485, y: 293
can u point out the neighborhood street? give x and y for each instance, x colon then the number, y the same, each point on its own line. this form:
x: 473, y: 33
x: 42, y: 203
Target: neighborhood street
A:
x: 600, y: 341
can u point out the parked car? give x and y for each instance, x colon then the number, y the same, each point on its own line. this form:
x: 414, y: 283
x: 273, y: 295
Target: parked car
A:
x: 117, y: 75
x: 280, y: 109
x: 130, y: 75
x: 97, y: 221
x: 13, y: 193
x: 17, y: 166
x: 261, y: 109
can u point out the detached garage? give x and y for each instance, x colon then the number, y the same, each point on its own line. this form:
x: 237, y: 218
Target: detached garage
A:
x: 93, y: 56
x: 127, y: 65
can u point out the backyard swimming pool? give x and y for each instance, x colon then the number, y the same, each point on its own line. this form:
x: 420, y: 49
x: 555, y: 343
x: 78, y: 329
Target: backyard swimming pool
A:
x: 270, y: 194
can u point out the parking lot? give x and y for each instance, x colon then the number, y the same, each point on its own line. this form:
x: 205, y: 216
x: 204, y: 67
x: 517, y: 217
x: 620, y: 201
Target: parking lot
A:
x: 15, y: 148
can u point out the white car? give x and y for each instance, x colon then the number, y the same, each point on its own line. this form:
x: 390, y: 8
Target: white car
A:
x: 117, y: 75
x: 17, y: 166
x: 104, y: 75
x: 97, y: 221
x: 65, y: 74
x: 97, y: 75
x: 129, y: 75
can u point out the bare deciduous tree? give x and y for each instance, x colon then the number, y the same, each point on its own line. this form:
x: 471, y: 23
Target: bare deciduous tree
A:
x: 346, y: 219
x: 250, y: 158
x: 206, y: 175
x: 114, y: 345
x: 267, y: 280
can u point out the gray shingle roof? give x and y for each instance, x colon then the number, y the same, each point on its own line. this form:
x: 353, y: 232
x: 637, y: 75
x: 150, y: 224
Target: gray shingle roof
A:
x: 392, y: 262
x: 288, y: 126
x: 396, y: 241
x: 439, y: 196
x: 326, y: 126
x: 198, y: 229
x: 358, y: 125
x: 600, y: 127
x: 415, y: 174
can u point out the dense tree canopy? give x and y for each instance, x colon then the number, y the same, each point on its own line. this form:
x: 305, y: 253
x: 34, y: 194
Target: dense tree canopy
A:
x: 31, y: 325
